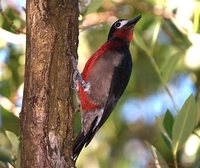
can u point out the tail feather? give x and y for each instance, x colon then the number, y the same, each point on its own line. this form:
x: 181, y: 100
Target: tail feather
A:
x: 83, y: 140
x: 78, y: 145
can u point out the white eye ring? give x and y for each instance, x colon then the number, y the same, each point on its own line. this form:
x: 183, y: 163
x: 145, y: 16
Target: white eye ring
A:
x: 118, y: 24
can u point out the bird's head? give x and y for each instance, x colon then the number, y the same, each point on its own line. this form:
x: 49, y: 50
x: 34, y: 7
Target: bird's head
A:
x: 123, y: 29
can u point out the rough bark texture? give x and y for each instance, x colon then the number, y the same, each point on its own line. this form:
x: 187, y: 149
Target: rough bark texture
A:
x: 47, y: 114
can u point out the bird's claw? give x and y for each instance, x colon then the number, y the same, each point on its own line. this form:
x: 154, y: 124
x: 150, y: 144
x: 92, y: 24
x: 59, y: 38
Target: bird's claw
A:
x: 77, y: 76
x: 75, y: 80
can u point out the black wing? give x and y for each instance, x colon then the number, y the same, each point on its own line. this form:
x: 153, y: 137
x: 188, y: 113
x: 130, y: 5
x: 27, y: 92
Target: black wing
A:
x: 119, y: 82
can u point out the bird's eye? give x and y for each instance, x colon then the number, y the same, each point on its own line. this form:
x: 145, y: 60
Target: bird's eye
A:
x: 118, y: 24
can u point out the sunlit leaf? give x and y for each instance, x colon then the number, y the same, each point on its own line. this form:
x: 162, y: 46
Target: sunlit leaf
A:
x: 14, y: 140
x: 184, y: 123
x: 155, y: 33
x: 159, y: 161
x: 18, y: 161
x: 196, y: 17
x: 198, y: 108
x: 168, y: 67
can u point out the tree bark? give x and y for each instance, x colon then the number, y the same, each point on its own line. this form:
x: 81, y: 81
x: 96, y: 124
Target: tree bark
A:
x: 46, y: 119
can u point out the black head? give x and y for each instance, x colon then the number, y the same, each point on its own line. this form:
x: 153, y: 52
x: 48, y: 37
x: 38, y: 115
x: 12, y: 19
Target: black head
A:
x: 123, y: 29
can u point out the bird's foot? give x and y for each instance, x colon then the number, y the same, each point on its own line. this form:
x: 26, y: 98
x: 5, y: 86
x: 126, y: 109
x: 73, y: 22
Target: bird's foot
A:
x: 77, y: 76
x: 77, y: 108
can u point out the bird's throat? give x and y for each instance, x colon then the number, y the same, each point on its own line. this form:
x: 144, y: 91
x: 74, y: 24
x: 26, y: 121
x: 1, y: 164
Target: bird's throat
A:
x: 124, y: 35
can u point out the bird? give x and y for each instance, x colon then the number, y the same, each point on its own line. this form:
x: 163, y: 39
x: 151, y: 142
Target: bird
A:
x: 103, y: 81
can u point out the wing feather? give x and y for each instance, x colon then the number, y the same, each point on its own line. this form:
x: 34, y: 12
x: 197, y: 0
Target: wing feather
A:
x: 120, y: 77
x: 120, y: 80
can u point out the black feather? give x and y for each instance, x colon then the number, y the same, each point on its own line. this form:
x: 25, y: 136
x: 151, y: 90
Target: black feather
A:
x: 120, y: 78
x: 82, y: 140
x: 119, y: 82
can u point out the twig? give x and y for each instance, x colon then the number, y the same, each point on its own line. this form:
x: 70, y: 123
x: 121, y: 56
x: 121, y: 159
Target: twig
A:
x: 149, y: 55
x: 195, y: 133
x: 10, y: 22
x: 83, y: 28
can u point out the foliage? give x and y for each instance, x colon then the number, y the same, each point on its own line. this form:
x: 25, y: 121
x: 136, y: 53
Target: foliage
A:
x: 176, y: 131
x: 165, y: 53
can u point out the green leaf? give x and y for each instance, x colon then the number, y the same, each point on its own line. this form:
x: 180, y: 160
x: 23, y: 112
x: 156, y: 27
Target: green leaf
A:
x: 168, y: 67
x: 198, y: 108
x: 18, y: 161
x: 159, y: 122
x: 184, y: 123
x: 94, y: 6
x: 10, y: 121
x: 159, y: 161
x: 155, y: 34
x: 14, y: 140
x: 196, y: 164
x: 140, y: 43
x: 168, y: 122
x: 167, y: 140
x: 5, y: 148
x: 5, y: 155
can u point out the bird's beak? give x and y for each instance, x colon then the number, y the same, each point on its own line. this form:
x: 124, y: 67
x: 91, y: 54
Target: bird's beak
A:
x: 132, y: 22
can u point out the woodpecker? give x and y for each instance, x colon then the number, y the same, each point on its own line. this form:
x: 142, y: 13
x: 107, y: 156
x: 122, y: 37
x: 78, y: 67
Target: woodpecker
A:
x: 103, y: 81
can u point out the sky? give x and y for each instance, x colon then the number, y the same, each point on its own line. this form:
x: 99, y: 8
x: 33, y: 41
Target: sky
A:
x: 154, y: 105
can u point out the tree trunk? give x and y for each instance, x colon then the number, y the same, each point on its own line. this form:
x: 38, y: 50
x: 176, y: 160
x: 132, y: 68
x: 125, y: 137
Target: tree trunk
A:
x: 47, y: 113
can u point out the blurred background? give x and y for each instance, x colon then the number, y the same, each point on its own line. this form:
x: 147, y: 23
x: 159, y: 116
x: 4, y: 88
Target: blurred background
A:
x: 166, y: 70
